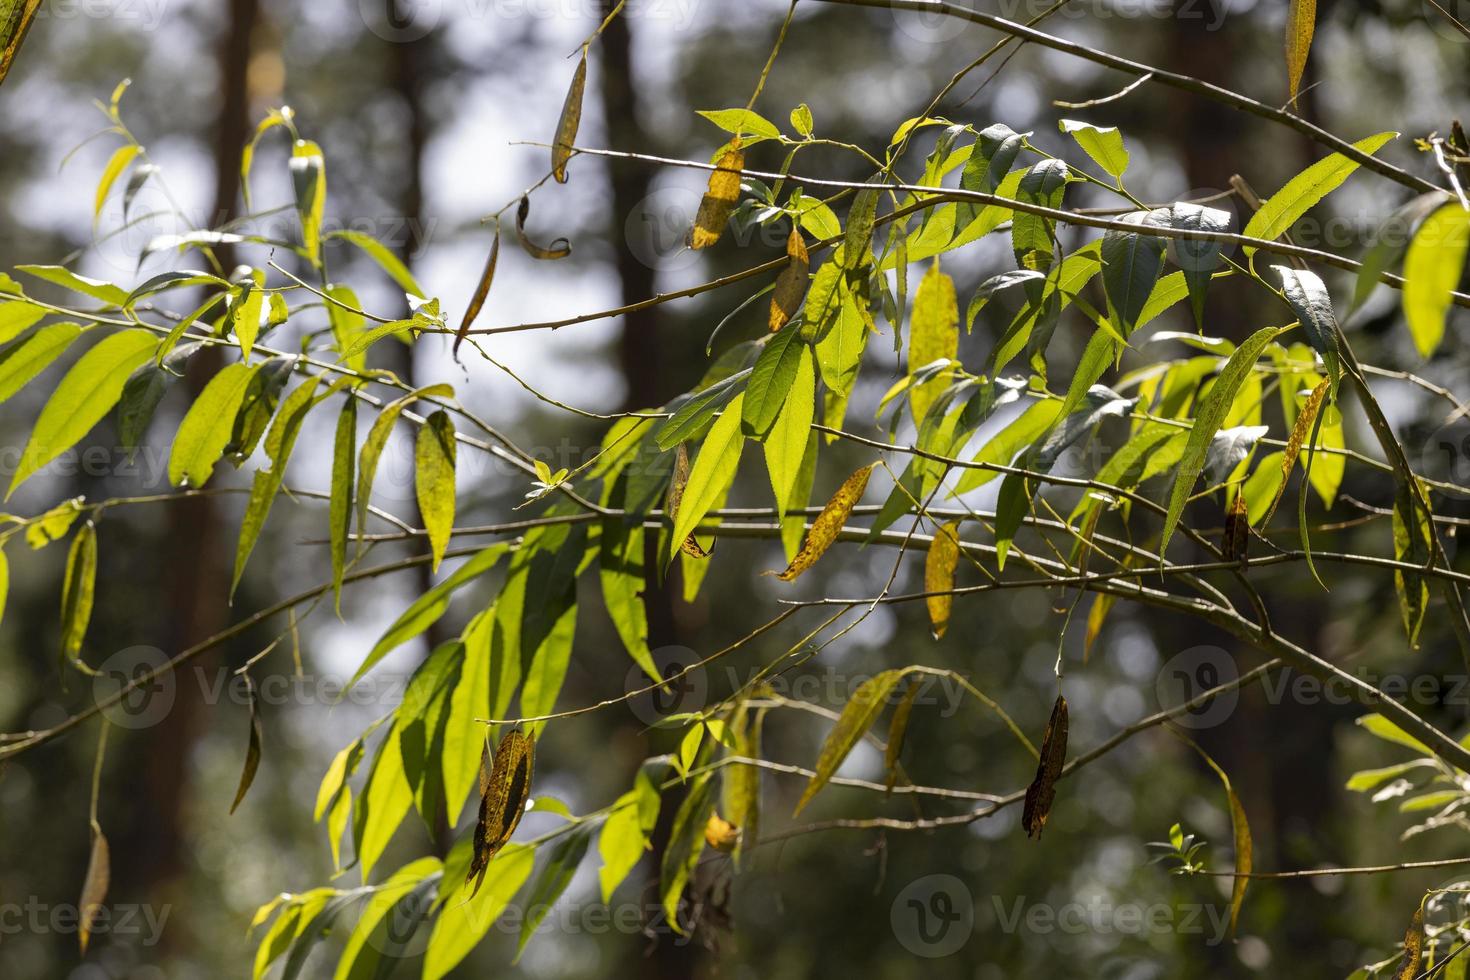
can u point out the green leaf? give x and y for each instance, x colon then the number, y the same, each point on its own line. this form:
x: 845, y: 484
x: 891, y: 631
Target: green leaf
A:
x: 770, y: 380
x: 78, y: 589
x: 434, y: 457
x: 742, y: 122
x: 1131, y: 266
x: 386, y: 260
x: 65, y: 278
x: 464, y: 920
x: 626, y: 832
x: 1011, y: 506
x: 428, y: 608
x: 552, y: 880
x: 786, y: 443
x: 279, y: 442
x: 372, y: 447
x: 22, y: 361
x: 623, y: 581
x: 1376, y: 724
x: 392, y: 914
x: 309, y: 178
x: 1241, y: 831
x: 1197, y: 258
x: 712, y: 473
x: 692, y: 417
x: 1003, y: 447
x: 1103, y: 143
x: 348, y: 327
x: 207, y: 427
x: 1280, y: 210
x: 801, y: 119
x: 1207, y: 422
x: 1309, y: 300
x: 247, y: 305
x: 88, y: 392
x: 934, y: 336
x: 54, y: 524
x: 344, y: 454
x: 1432, y: 269
x: 1390, y: 242
x: 686, y: 842
x: 857, y: 717
x: 16, y: 317
x: 140, y: 398
x: 383, y: 803
x: 1031, y: 235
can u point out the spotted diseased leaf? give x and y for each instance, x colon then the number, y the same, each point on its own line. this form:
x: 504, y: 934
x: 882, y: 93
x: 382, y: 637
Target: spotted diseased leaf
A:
x: 829, y: 523
x: 77, y: 592
x: 252, y: 748
x: 477, y: 302
x: 571, y: 118
x: 1306, y: 421
x: 1408, y: 967
x: 1042, y: 792
x: 18, y: 15
x: 939, y: 566
x: 434, y: 460
x: 1301, y: 22
x: 791, y: 283
x: 719, y: 199
x: 504, y: 789
x: 856, y: 718
x: 1237, y: 530
x: 94, y: 888
x: 559, y: 248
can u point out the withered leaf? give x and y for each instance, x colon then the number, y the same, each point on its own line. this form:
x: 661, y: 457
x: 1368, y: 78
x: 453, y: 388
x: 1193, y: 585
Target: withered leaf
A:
x: 252, y: 751
x: 720, y: 833
x: 939, y: 565
x: 1305, y: 420
x: 1042, y: 791
x: 690, y: 546
x: 504, y: 791
x: 477, y: 302
x: 1237, y: 529
x: 94, y: 886
x: 719, y: 200
x: 829, y: 523
x: 1413, y: 947
x: 791, y: 283
x: 18, y: 17
x: 571, y: 118
x: 558, y: 249
x: 898, y: 729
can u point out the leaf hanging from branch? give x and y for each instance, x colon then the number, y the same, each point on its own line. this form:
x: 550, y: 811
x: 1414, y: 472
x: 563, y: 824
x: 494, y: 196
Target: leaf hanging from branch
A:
x: 1301, y: 22
x: 719, y: 200
x: 791, y: 283
x: 504, y: 790
x: 571, y: 118
x: 559, y: 249
x: 18, y: 16
x: 482, y: 290
x: 829, y: 523
x: 1042, y: 792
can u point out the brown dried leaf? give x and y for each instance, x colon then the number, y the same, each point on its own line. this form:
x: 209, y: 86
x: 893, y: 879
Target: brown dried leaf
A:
x: 829, y: 523
x: 571, y: 118
x: 1237, y: 530
x: 720, y: 833
x: 1042, y: 791
x: 94, y: 887
x: 481, y: 291
x: 944, y: 552
x: 504, y: 794
x: 791, y: 283
x: 719, y: 200
x: 558, y: 249
x: 1299, y: 432
x: 252, y: 751
x: 1413, y: 947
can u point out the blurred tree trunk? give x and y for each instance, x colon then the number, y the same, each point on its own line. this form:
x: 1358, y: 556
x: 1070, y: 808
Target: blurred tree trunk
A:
x: 198, y: 576
x: 645, y: 371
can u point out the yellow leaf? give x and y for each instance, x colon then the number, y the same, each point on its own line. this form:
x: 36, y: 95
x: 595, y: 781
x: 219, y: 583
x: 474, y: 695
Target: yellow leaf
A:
x: 571, y: 117
x: 791, y: 283
x: 935, y: 334
x: 719, y: 200
x: 939, y: 565
x: 1301, y: 21
x: 434, y: 480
